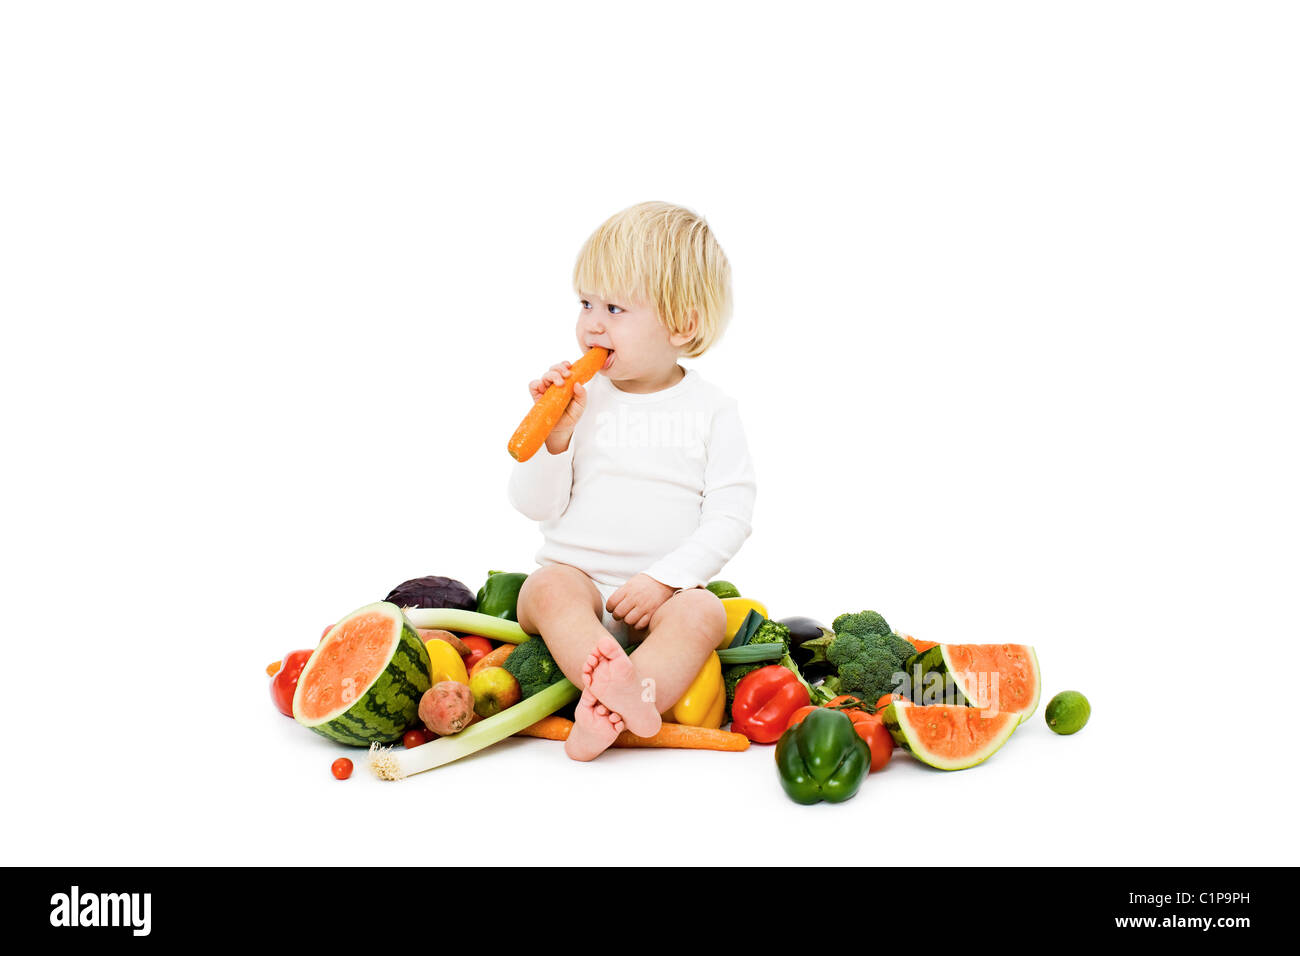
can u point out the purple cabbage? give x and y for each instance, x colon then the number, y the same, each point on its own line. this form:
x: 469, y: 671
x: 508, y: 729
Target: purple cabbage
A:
x: 433, y: 591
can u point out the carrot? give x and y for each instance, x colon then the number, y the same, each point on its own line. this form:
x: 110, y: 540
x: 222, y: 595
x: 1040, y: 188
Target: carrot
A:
x: 547, y: 410
x: 548, y: 728
x: 678, y: 736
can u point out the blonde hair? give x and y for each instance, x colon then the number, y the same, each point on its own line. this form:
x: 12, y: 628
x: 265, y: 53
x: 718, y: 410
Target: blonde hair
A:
x: 664, y: 255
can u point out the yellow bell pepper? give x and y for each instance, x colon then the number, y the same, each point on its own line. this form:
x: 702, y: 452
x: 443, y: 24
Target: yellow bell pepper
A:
x: 738, y: 609
x: 705, y: 700
x: 444, y: 662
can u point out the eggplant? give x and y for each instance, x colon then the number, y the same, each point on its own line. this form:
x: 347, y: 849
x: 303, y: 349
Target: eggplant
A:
x: 433, y: 591
x: 806, y: 629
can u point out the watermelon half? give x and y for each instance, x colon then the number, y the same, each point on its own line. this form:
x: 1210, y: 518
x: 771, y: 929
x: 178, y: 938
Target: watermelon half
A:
x: 363, y: 683
x: 947, y: 737
x: 996, y: 676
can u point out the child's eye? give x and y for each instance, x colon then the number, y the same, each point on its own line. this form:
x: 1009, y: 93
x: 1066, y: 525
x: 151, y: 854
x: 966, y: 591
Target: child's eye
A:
x: 615, y: 309
x: 585, y: 303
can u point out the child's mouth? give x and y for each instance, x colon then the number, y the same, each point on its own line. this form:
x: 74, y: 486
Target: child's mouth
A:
x: 609, y: 361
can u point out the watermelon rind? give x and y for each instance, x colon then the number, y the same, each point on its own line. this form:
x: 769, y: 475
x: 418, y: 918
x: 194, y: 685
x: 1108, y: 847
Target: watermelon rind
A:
x: 385, y: 709
x: 936, y: 659
x: 898, y: 721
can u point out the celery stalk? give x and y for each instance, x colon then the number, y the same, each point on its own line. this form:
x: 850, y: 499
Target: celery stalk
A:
x: 390, y: 764
x: 467, y: 622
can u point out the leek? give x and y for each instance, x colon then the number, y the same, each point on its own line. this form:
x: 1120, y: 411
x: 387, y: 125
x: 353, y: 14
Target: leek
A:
x: 467, y: 622
x: 752, y: 653
x: 390, y: 764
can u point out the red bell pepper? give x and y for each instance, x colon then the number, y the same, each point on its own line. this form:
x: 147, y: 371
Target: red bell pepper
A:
x: 285, y: 681
x: 765, y: 700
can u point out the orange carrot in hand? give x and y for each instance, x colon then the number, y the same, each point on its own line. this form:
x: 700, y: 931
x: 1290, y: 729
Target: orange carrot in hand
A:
x: 547, y: 410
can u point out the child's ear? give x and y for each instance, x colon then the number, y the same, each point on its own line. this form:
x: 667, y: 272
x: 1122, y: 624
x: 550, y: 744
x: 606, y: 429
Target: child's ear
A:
x: 681, y: 338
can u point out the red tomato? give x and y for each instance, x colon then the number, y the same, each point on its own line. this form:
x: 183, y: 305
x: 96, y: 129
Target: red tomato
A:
x: 341, y: 768
x: 860, y: 719
x: 879, y: 740
x: 844, y: 700
x: 800, y: 714
x: 414, y: 738
x: 479, y: 648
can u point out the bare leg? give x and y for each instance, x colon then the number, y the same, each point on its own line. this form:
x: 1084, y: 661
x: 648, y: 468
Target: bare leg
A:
x: 561, y: 603
x: 682, y: 633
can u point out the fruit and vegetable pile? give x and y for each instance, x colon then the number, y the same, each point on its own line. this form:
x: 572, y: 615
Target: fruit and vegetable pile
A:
x: 448, y: 672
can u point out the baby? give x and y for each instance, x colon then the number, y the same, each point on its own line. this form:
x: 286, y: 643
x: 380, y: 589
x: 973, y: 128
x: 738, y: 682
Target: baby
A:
x: 645, y: 488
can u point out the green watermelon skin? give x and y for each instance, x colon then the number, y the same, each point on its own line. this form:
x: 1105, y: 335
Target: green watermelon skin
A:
x: 934, y: 660
x: 390, y: 706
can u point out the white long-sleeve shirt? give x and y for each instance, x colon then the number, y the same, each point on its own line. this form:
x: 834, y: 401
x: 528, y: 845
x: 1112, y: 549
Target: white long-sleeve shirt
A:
x: 658, y: 484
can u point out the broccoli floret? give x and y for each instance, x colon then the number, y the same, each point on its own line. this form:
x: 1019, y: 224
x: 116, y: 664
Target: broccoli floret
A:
x: 772, y: 632
x: 864, y: 622
x: 866, y: 663
x: 533, y: 666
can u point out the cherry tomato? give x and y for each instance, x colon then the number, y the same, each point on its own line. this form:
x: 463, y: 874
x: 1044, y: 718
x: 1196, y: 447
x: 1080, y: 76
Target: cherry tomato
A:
x: 879, y: 740
x: 414, y: 738
x: 800, y: 714
x: 341, y: 768
x: 479, y: 648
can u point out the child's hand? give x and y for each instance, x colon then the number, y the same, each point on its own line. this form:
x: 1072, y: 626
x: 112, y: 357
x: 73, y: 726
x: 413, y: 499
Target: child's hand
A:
x: 637, y: 600
x: 558, y: 440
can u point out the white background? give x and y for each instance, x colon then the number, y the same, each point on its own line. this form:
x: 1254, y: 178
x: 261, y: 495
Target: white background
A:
x: 1014, y: 343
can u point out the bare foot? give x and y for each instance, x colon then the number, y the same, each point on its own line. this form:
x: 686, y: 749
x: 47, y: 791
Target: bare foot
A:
x: 594, y: 729
x: 613, y: 678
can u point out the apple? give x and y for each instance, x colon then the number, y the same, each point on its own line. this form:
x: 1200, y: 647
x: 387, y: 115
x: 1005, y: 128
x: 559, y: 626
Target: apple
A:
x: 494, y: 689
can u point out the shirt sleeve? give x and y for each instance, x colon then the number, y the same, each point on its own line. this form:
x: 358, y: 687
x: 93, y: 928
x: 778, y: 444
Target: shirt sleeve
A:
x: 540, y: 487
x: 730, y: 487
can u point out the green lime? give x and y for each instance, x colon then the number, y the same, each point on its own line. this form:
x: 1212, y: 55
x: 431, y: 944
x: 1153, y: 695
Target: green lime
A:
x: 1067, y: 712
x: 723, y: 589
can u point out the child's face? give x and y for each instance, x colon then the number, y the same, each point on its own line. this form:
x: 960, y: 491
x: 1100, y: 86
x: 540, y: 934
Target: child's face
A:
x: 643, y: 352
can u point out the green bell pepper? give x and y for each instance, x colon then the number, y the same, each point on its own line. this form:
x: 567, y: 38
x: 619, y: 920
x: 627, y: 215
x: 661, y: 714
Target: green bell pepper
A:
x: 499, y: 595
x: 822, y: 758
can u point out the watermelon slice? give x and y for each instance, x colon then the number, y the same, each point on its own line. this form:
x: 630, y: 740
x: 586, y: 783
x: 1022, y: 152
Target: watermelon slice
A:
x: 946, y: 737
x: 996, y: 676
x: 363, y: 683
